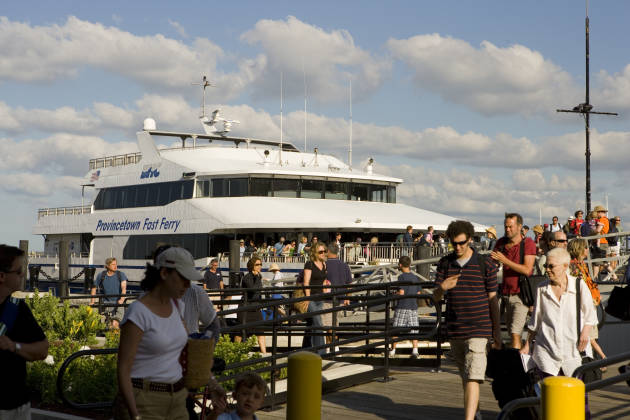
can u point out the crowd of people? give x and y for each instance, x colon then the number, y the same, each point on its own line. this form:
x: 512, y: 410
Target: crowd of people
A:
x: 155, y: 328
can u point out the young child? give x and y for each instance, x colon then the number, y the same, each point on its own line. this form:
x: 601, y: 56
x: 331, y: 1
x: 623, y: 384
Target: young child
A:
x: 249, y: 393
x: 406, y: 313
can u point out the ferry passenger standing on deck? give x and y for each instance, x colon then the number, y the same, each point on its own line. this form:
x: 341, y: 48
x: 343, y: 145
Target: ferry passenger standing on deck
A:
x: 150, y: 381
x: 111, y: 281
x: 507, y: 252
x: 314, y: 275
x: 469, y: 282
x: 253, y: 280
x: 23, y: 341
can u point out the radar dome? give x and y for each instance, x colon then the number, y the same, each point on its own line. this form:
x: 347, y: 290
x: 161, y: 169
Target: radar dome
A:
x: 149, y: 124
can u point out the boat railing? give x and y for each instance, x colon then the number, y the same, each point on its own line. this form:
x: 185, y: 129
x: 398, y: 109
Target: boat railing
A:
x: 116, y: 160
x: 64, y: 211
x: 43, y: 254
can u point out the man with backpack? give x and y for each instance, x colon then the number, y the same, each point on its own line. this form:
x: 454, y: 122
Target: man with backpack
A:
x: 111, y: 281
x: 468, y: 280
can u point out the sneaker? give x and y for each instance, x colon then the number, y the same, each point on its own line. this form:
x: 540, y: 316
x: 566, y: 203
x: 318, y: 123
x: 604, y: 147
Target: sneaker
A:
x: 414, y: 355
x: 336, y: 349
x: 392, y: 352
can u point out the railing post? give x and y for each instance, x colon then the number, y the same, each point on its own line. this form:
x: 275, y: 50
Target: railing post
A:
x: 367, y: 322
x: 562, y: 398
x: 333, y: 340
x: 274, y: 344
x: 387, y: 341
x: 244, y: 330
x: 304, y: 387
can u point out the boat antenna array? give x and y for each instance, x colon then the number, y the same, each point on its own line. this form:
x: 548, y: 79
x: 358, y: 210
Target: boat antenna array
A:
x: 204, y: 84
x: 210, y: 126
x: 585, y: 109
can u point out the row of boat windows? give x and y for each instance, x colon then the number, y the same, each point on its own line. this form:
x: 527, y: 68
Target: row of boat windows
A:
x: 162, y: 193
x: 140, y: 247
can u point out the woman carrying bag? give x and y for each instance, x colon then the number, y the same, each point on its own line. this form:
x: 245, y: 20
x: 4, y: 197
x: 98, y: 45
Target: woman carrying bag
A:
x: 253, y: 280
x: 559, y: 346
x: 152, y: 336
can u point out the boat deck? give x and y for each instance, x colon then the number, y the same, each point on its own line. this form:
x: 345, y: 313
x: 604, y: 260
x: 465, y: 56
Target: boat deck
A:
x: 417, y: 393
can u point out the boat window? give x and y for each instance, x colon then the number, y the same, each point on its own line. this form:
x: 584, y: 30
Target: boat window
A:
x: 153, y: 195
x: 220, y: 187
x: 379, y: 193
x: 238, y: 187
x: 143, y: 195
x: 164, y: 192
x: 261, y: 187
x: 337, y: 190
x: 203, y: 188
x: 359, y: 192
x: 286, y: 187
x: 312, y: 188
x: 391, y: 194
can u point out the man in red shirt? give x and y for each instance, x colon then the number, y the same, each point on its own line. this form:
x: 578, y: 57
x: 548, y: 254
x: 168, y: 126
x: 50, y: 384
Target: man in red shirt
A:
x: 507, y: 252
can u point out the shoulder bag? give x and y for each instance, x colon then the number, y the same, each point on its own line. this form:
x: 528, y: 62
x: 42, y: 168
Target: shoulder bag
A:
x: 527, y: 284
x: 590, y: 375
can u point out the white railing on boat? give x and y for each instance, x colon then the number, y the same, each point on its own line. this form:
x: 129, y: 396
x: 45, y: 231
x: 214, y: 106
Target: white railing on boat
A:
x: 41, y: 254
x: 63, y: 211
x: 117, y: 160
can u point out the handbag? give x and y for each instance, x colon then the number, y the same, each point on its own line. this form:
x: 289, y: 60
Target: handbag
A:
x: 590, y: 375
x: 527, y: 284
x: 300, y: 307
x: 619, y: 303
x: 197, y: 352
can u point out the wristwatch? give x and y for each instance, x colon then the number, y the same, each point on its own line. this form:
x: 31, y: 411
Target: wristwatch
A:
x: 18, y: 347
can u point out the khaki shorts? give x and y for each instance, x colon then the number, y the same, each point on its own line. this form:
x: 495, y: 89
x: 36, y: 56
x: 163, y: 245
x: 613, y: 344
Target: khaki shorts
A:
x: 470, y: 356
x: 515, y: 314
x: 327, y: 318
x: 594, y: 333
x: 154, y: 405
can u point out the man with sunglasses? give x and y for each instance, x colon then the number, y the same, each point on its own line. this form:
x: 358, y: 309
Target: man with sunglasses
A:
x: 21, y: 338
x: 559, y: 240
x: 468, y: 280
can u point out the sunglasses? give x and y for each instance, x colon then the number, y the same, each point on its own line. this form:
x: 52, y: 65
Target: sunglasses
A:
x: 460, y: 243
x: 321, y: 252
x: 257, y: 264
x: 560, y: 240
x: 550, y: 266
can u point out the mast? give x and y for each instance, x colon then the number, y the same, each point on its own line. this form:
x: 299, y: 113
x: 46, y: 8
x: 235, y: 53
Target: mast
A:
x: 304, y: 74
x: 586, y: 110
x: 350, y: 145
x: 280, y: 151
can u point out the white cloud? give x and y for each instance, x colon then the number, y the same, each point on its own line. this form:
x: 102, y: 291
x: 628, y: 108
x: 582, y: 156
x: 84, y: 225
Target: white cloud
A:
x: 613, y: 91
x: 28, y: 184
x: 49, y: 53
x: 491, y: 80
x: 328, y: 58
x: 179, y: 28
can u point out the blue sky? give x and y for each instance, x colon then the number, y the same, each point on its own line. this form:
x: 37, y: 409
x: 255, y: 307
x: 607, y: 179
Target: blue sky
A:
x: 458, y: 98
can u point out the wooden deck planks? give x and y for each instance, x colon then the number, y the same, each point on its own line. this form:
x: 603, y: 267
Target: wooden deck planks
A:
x: 416, y: 393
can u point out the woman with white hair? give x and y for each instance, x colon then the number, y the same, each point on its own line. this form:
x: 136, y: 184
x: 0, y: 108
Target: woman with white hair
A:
x: 559, y: 345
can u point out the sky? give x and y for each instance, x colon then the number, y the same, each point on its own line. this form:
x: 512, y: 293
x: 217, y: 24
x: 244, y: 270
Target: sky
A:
x: 457, y: 98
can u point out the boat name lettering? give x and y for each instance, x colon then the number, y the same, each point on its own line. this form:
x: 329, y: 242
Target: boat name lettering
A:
x: 162, y: 224
x: 150, y: 173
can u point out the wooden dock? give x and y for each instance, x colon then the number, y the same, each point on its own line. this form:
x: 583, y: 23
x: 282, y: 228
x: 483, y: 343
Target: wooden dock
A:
x: 418, y: 393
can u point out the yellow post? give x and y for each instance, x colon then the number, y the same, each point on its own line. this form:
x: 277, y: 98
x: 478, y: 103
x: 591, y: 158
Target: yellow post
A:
x: 562, y: 398
x: 304, y: 388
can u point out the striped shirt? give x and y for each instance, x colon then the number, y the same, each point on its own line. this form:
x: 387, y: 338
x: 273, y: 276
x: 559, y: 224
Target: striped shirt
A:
x: 467, y: 305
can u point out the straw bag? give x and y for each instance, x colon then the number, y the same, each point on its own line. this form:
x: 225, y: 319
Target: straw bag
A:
x: 300, y: 307
x: 198, y: 353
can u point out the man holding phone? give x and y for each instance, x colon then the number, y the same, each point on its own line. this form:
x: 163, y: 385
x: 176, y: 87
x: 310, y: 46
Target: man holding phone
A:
x: 468, y: 280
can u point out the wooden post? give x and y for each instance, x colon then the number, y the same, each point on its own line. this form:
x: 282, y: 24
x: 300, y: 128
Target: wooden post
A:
x: 64, y: 267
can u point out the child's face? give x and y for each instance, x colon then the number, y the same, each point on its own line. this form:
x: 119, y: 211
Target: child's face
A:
x: 248, y: 400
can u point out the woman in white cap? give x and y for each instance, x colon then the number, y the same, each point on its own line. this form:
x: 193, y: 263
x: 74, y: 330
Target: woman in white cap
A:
x: 152, y: 336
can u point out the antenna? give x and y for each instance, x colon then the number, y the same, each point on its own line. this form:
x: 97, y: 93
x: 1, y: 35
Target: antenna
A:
x: 204, y: 84
x: 281, y: 93
x: 304, y: 74
x: 585, y: 109
x: 350, y: 146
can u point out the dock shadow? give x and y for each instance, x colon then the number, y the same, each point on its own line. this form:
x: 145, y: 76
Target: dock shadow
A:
x: 386, y: 409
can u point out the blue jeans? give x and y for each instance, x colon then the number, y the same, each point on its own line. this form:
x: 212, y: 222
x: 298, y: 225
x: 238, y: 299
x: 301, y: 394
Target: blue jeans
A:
x: 315, y: 321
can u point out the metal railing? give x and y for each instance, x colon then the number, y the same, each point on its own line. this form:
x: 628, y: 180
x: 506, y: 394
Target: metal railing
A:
x: 370, y: 338
x: 510, y: 407
x: 63, y: 211
x: 117, y: 160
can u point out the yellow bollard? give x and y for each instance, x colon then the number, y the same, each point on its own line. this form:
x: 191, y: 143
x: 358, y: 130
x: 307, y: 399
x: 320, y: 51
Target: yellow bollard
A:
x: 562, y: 398
x: 304, y: 388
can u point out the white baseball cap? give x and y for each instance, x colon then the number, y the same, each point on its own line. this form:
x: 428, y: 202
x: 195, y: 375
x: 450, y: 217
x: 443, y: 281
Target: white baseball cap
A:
x: 179, y: 259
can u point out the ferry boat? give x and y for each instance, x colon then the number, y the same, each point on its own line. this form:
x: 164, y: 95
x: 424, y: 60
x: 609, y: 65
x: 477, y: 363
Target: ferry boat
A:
x: 208, y: 188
